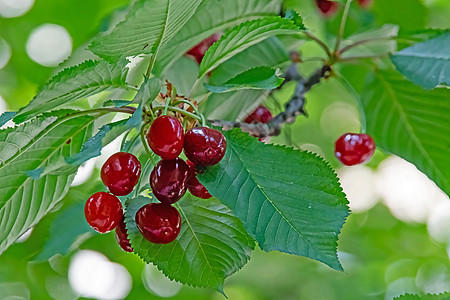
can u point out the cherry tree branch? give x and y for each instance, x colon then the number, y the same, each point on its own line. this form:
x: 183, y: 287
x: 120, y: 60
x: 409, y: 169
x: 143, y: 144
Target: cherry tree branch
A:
x: 293, y: 108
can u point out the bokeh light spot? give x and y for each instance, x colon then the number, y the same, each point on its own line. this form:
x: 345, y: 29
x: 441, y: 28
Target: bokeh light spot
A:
x: 358, y: 185
x: 49, y: 45
x: 91, y: 274
x: 339, y: 118
x: 156, y: 283
x: 14, y: 8
x: 5, y: 53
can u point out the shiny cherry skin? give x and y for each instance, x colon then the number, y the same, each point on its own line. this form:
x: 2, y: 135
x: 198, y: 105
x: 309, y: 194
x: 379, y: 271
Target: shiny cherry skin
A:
x: 165, y: 137
x: 260, y: 115
x: 194, y: 186
x: 354, y: 148
x: 120, y: 173
x: 199, y: 50
x: 122, y: 236
x: 204, y: 146
x: 103, y: 211
x: 168, y: 180
x: 327, y: 8
x: 158, y: 222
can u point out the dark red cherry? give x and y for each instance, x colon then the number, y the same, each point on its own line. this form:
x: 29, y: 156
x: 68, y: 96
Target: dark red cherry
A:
x: 327, y: 8
x: 165, y: 137
x: 122, y: 236
x: 194, y: 186
x: 204, y: 146
x: 158, y: 222
x: 199, y: 50
x: 197, y: 189
x: 260, y: 115
x: 168, y: 180
x: 120, y: 173
x: 354, y: 148
x: 103, y: 211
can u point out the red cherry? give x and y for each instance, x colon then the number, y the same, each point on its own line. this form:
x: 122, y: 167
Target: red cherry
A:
x: 194, y: 186
x: 158, y: 222
x: 168, y: 180
x: 120, y: 173
x: 165, y: 137
x: 364, y: 3
x: 199, y: 50
x: 122, y: 236
x: 204, y: 146
x: 103, y: 211
x: 327, y: 8
x: 353, y: 148
x: 261, y: 115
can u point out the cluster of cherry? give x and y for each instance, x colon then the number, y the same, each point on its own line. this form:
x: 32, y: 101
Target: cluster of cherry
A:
x: 158, y: 222
x: 330, y: 8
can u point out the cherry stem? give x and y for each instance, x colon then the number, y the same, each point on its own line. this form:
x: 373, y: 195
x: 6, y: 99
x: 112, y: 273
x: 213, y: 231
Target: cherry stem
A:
x: 362, y: 42
x: 319, y: 42
x: 179, y: 110
x: 356, y: 58
x: 144, y: 141
x: 197, y: 112
x: 342, y: 27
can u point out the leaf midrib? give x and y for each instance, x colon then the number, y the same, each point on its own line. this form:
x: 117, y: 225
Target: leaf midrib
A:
x: 270, y: 201
x: 408, y: 126
x: 423, y: 56
x: 196, y: 238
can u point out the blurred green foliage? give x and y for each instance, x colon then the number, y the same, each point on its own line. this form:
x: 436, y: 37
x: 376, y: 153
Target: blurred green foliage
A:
x: 382, y: 256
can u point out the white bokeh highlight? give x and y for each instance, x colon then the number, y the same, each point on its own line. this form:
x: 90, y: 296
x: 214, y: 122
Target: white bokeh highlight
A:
x: 15, y: 8
x: 407, y: 192
x: 5, y: 53
x: 92, y: 275
x: 156, y: 283
x: 358, y: 183
x: 49, y: 45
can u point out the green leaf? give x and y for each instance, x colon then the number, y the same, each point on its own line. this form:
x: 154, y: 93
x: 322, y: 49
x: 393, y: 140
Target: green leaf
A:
x: 6, y: 117
x: 243, y: 36
x: 117, y: 103
x: 237, y: 105
x: 149, y: 25
x: 212, y: 16
x: 260, y: 78
x: 68, y: 226
x: 81, y: 81
x: 292, y: 15
x: 410, y: 122
x: 38, y: 143
x: 443, y: 296
x: 211, y: 246
x: 92, y: 148
x: 426, y: 64
x: 288, y: 200
x: 269, y: 52
x: 382, y: 42
x: 148, y: 91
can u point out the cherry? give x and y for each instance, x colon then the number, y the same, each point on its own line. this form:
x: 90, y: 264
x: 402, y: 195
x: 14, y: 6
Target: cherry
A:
x: 168, y: 180
x: 261, y: 115
x: 199, y: 50
x: 165, y: 137
x: 353, y: 148
x: 194, y: 186
x: 204, y: 146
x: 120, y: 173
x: 327, y: 8
x: 158, y: 222
x: 364, y: 3
x: 103, y: 211
x: 122, y: 236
